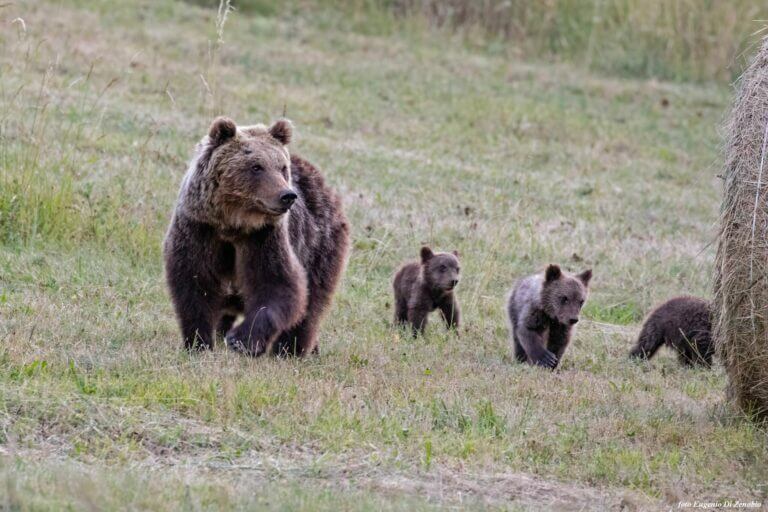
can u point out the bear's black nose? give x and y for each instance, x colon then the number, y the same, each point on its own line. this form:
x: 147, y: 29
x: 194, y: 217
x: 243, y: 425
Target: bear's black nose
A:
x: 288, y: 197
x: 574, y: 320
x: 454, y: 283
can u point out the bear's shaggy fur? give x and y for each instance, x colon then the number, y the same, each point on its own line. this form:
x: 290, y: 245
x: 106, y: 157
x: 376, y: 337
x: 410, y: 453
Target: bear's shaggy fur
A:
x: 421, y: 287
x: 542, y: 310
x: 685, y: 325
x: 255, y: 232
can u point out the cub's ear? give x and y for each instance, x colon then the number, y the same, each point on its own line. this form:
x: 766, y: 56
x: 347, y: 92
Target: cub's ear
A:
x: 456, y: 253
x: 282, y: 131
x: 426, y: 254
x: 585, y: 276
x: 552, y: 273
x: 222, y: 129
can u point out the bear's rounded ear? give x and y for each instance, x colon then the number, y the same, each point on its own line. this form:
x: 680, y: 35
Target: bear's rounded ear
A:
x: 585, y: 276
x: 456, y: 253
x: 282, y: 131
x: 552, y: 273
x: 222, y: 129
x: 426, y: 254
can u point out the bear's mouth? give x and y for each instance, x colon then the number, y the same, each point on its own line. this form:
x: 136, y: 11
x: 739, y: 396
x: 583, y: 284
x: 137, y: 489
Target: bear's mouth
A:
x: 267, y: 210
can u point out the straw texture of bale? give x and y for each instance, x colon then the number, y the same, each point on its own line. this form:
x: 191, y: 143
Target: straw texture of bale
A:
x: 741, y: 270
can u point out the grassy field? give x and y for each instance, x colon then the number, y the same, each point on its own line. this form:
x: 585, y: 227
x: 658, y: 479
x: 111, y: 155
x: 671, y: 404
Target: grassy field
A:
x: 514, y: 163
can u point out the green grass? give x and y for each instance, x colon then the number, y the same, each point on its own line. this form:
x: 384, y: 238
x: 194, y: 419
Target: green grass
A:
x: 514, y: 163
x: 673, y: 40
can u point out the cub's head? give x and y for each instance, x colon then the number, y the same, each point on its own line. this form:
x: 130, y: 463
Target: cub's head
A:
x: 441, y: 270
x: 251, y: 168
x: 563, y: 294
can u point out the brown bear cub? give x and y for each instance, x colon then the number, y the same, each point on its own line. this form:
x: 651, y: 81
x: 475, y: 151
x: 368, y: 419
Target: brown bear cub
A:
x: 542, y: 311
x: 422, y: 287
x: 256, y: 232
x: 685, y: 325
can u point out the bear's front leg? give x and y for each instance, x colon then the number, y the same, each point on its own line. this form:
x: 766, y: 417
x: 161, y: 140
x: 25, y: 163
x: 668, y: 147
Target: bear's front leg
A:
x: 255, y: 334
x: 559, y: 338
x: 196, y: 300
x: 533, y: 344
x: 417, y: 318
x: 449, y: 309
x: 194, y: 289
x: 274, y: 287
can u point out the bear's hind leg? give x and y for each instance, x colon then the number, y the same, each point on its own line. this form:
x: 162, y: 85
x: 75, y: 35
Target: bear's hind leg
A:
x: 401, y: 311
x: 520, y: 354
x: 298, y: 341
x: 649, y: 341
x: 690, y: 351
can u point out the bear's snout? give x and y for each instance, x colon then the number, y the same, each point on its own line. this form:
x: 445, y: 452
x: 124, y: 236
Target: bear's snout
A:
x: 287, y: 197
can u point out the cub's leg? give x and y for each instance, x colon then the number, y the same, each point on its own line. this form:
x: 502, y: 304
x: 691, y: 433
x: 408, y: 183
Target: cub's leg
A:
x: 559, y: 337
x: 520, y: 354
x: 649, y: 341
x: 690, y: 350
x: 533, y: 343
x: 449, y: 309
x: 417, y: 317
x: 401, y: 310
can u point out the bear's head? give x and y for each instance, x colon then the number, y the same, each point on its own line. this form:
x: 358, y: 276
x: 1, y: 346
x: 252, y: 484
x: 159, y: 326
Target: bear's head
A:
x: 251, y: 169
x: 440, y: 270
x: 563, y: 294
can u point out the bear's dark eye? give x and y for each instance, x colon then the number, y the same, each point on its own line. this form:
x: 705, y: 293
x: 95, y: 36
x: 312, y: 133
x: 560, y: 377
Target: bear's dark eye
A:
x: 581, y: 302
x: 458, y: 270
x: 257, y: 168
x: 247, y: 151
x: 563, y: 300
x: 443, y: 268
x: 285, y: 171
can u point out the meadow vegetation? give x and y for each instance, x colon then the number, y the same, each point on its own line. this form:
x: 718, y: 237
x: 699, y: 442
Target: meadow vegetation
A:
x: 512, y: 160
x: 675, y: 40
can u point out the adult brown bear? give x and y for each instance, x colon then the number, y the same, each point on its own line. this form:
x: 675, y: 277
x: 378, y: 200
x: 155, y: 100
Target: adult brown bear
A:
x: 255, y: 232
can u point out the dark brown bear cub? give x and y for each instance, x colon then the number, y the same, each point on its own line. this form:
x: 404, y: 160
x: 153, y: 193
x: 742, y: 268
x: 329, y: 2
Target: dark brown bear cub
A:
x: 542, y: 311
x: 685, y: 325
x: 422, y: 287
x: 255, y: 232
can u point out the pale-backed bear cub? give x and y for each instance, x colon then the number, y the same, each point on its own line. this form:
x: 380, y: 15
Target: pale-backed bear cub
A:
x: 542, y: 311
x: 682, y: 323
x: 421, y: 287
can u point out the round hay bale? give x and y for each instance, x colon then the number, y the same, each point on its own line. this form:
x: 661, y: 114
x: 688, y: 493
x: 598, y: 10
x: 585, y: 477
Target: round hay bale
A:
x: 741, y: 267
